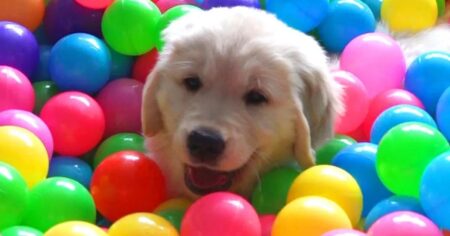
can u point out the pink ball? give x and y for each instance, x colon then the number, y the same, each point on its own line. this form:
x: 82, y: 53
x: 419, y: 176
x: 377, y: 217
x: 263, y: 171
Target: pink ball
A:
x: 30, y: 122
x: 165, y: 5
x: 266, y: 224
x: 404, y: 223
x: 16, y: 91
x: 356, y: 102
x: 221, y: 214
x: 344, y: 232
x: 121, y: 102
x: 377, y: 60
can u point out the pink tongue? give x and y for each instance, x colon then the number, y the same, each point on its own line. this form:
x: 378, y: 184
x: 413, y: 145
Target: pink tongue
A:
x: 205, y: 178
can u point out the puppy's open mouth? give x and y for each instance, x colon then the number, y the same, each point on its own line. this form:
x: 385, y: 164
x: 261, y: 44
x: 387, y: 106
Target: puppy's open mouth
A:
x: 201, y: 180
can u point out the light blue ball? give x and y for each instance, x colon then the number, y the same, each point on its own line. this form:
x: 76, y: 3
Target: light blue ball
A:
x: 71, y: 167
x: 397, y: 115
x: 375, y: 6
x: 443, y: 114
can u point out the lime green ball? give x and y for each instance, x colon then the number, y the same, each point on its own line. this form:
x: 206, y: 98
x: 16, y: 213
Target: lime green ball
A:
x: 270, y: 194
x: 117, y: 143
x: 169, y: 16
x: 441, y: 7
x: 21, y: 231
x: 56, y: 200
x: 129, y: 26
x: 326, y: 153
x: 43, y: 91
x: 174, y: 216
x: 403, y: 154
x: 13, y: 196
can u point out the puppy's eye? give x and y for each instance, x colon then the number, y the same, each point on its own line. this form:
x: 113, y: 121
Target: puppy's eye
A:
x: 192, y: 84
x: 254, y: 97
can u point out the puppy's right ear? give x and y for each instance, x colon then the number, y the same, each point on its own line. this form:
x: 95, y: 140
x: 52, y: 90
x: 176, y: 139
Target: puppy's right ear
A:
x: 150, y: 114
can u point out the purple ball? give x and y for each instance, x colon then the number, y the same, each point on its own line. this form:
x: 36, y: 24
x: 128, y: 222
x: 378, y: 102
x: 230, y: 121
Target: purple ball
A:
x: 207, y: 4
x: 18, y: 47
x: 63, y: 17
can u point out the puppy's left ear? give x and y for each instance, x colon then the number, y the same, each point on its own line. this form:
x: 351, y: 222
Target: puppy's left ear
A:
x: 151, y: 115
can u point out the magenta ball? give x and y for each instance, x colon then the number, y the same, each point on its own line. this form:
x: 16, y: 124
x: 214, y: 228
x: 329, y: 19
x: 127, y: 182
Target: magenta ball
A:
x: 404, y: 223
x: 221, y: 214
x: 121, y: 103
x: 30, y: 122
x: 377, y: 60
x: 344, y: 232
x: 266, y: 222
x: 16, y: 90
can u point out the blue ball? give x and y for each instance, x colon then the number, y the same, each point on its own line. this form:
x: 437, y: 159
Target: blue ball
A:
x: 443, y: 114
x: 80, y: 62
x: 435, y: 192
x: 42, y: 73
x: 427, y: 77
x: 392, y: 204
x: 359, y: 160
x: 395, y: 116
x: 345, y: 21
x: 121, y: 65
x: 302, y: 15
x: 71, y: 167
x: 375, y: 7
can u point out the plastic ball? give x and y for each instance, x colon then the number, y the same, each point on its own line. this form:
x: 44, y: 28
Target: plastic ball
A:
x: 443, y: 113
x: 121, y: 101
x: 56, y: 200
x: 326, y: 153
x: 144, y: 65
x: 345, y: 21
x: 164, y: 5
x: 13, y: 198
x: 404, y: 223
x: 24, y: 151
x: 377, y: 60
x: 333, y: 183
x: 441, y: 7
x: 403, y: 154
x: 64, y: 17
x: 94, y: 4
x: 142, y: 224
x: 312, y: 215
x: 43, y: 91
x: 21, y: 231
x: 168, y: 17
x: 75, y: 228
x: 173, y: 210
x: 80, y: 62
x: 16, y: 90
x: 220, y: 214
x: 128, y: 179
x: 397, y: 115
x: 120, y: 65
x: 359, y: 161
x: 355, y: 99
x: 269, y: 195
x: 410, y: 16
x: 116, y: 143
x: 174, y: 203
x: 208, y: 4
x: 358, y: 135
x: 386, y: 100
x: 72, y: 168
x: 266, y: 224
x: 375, y: 7
x: 434, y: 195
x: 428, y: 76
x: 134, y: 36
x: 344, y: 232
x: 42, y: 73
x: 301, y: 15
x: 392, y: 204
x: 28, y: 13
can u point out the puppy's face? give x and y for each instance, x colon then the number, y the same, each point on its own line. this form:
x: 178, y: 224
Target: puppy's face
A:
x: 225, y: 101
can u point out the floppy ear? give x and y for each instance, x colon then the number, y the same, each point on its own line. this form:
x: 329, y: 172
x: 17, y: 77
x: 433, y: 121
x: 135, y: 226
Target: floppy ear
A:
x: 151, y: 115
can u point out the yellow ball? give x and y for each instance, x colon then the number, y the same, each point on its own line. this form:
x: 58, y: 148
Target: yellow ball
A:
x: 333, y: 183
x: 23, y: 150
x: 311, y: 216
x: 174, y: 204
x: 409, y: 15
x: 75, y: 228
x: 142, y: 224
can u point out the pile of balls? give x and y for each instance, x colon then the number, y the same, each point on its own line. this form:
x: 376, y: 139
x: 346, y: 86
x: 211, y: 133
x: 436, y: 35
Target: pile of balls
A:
x: 72, y: 157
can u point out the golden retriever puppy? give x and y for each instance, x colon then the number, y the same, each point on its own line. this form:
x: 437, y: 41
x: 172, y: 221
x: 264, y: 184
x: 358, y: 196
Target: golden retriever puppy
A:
x: 235, y: 92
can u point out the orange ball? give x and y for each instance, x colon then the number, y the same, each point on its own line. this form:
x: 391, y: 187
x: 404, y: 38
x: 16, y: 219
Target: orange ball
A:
x: 28, y: 13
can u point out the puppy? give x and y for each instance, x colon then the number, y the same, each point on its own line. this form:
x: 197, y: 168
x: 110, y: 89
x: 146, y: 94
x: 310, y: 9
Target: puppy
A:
x: 235, y: 93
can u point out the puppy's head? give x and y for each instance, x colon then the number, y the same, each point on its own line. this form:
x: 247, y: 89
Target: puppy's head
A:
x: 234, y: 93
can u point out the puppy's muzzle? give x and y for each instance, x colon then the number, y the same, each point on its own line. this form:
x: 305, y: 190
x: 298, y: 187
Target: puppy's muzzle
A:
x: 205, y: 145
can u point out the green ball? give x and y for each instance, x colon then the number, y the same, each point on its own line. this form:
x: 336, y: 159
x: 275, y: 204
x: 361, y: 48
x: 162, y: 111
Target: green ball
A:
x: 168, y: 17
x: 13, y: 196
x: 326, y: 153
x: 43, y: 90
x: 403, y: 154
x: 21, y: 231
x: 270, y: 194
x: 174, y: 216
x: 441, y: 7
x: 129, y: 26
x: 56, y: 200
x: 116, y: 143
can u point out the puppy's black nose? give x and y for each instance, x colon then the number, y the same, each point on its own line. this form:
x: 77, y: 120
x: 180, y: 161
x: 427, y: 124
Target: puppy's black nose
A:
x: 205, y: 145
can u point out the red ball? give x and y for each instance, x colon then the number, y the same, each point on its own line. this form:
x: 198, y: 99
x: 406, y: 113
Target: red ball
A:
x: 76, y: 122
x: 127, y: 182
x: 144, y: 65
x: 16, y: 91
